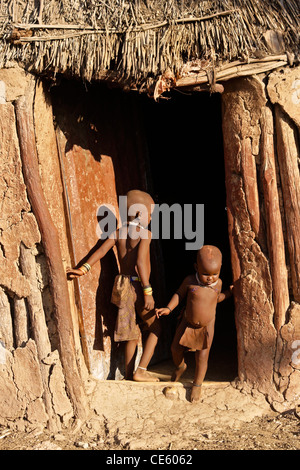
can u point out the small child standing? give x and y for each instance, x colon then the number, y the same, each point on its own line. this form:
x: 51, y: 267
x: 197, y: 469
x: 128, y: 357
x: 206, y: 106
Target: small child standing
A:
x: 196, y: 329
x: 132, y: 292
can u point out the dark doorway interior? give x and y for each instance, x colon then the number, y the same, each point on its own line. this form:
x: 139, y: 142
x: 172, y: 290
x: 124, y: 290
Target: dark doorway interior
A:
x: 185, y: 145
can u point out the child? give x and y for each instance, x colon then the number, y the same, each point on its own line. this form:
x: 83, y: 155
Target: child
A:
x: 132, y: 292
x: 196, y: 328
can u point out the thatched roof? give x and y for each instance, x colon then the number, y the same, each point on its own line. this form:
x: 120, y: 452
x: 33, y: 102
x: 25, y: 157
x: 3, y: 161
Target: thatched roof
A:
x: 140, y: 40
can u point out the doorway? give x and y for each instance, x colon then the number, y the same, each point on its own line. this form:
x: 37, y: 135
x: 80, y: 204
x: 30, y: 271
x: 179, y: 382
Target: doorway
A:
x: 186, y: 162
x: 174, y: 150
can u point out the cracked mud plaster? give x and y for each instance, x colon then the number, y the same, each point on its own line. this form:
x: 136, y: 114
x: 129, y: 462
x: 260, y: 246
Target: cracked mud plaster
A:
x: 21, y: 388
x: 61, y: 403
x: 287, y: 366
x: 284, y: 88
x: 21, y: 380
x: 17, y: 223
x: 20, y: 383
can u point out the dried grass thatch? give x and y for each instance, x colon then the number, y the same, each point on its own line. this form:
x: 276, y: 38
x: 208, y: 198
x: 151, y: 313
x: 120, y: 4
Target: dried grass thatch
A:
x: 136, y: 41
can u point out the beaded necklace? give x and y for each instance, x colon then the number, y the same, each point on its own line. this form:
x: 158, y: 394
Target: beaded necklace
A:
x: 211, y: 286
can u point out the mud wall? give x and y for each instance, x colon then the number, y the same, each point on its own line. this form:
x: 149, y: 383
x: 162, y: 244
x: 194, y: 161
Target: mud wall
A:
x: 261, y: 147
x: 32, y: 385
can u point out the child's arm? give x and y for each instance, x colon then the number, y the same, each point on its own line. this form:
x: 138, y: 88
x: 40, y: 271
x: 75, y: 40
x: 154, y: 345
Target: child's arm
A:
x: 96, y: 256
x: 169, y: 308
x: 144, y: 268
x: 225, y: 294
x: 175, y: 300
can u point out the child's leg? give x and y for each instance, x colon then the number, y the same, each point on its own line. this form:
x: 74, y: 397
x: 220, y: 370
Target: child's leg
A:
x: 130, y: 355
x: 141, y: 374
x: 201, y: 359
x: 178, y: 353
x: 178, y: 359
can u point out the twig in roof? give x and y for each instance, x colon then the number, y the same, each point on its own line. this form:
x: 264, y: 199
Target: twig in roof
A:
x: 40, y: 16
x: 234, y: 69
x: 51, y: 26
x: 141, y: 27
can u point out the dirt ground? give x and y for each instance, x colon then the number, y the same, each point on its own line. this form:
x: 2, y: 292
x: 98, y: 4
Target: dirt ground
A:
x: 272, y: 432
x: 130, y: 416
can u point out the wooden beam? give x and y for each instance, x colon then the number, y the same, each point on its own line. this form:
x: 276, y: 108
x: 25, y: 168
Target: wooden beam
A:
x: 139, y: 28
x: 231, y: 70
x: 35, y: 304
x: 84, y: 342
x: 20, y: 322
x: 39, y: 329
x: 249, y: 176
x: 275, y: 237
x: 290, y: 181
x: 6, y: 326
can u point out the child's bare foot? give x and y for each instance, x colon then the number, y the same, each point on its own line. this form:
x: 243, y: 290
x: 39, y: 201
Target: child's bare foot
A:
x: 196, y: 392
x: 142, y: 375
x: 178, y: 372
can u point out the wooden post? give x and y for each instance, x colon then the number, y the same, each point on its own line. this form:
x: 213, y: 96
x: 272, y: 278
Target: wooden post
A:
x: 83, y: 337
x: 35, y: 304
x: 50, y: 240
x: 248, y: 173
x: 275, y: 237
x: 20, y: 322
x: 6, y: 327
x: 242, y: 102
x: 290, y: 181
x: 39, y: 328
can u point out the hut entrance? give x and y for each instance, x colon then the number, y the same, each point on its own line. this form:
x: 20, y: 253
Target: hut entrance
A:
x: 110, y: 142
x: 185, y: 150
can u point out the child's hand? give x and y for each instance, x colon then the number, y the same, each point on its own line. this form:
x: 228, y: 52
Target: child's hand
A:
x: 162, y: 311
x: 149, y: 302
x: 72, y: 273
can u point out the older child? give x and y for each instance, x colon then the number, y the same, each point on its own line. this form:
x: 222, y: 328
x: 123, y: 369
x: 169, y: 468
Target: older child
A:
x: 132, y: 291
x: 196, y: 329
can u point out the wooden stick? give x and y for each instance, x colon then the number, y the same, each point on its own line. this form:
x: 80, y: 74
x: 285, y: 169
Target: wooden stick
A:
x: 59, y: 37
x: 236, y: 69
x: 289, y: 172
x: 6, y: 326
x: 40, y: 17
x: 52, y: 26
x: 141, y: 27
x: 20, y: 322
x: 50, y: 240
x: 248, y: 171
x: 35, y: 304
x: 275, y: 237
x: 84, y: 343
x: 39, y: 328
x: 235, y: 262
